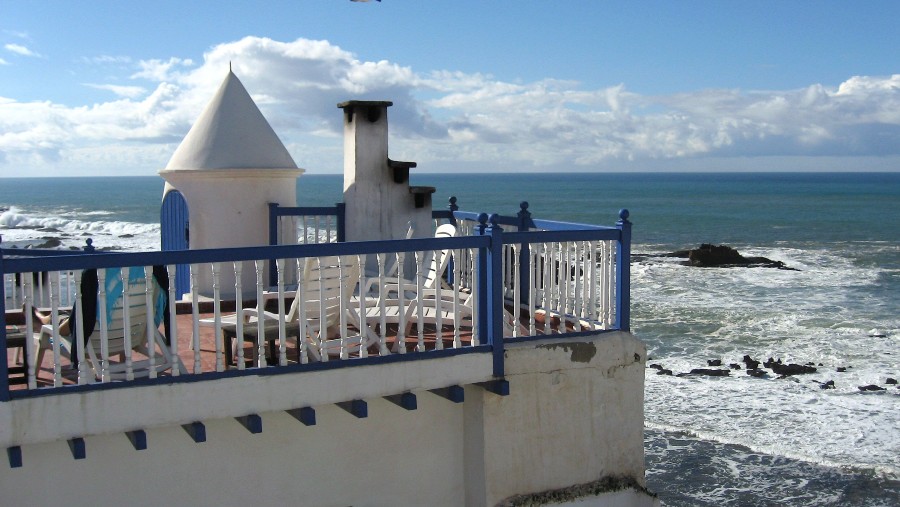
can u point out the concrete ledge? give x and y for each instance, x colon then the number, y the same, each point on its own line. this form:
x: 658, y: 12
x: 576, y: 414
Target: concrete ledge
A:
x: 50, y: 418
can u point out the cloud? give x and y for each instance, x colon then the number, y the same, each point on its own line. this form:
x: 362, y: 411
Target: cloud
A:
x: 122, y: 91
x: 106, y: 60
x: 446, y: 119
x: 20, y: 50
x: 3, y: 62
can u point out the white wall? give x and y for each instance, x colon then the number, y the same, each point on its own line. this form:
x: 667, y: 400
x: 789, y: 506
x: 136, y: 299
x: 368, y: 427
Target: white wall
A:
x: 574, y: 415
x: 229, y: 208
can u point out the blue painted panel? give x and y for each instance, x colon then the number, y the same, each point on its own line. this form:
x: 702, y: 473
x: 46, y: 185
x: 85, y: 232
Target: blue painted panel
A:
x: 175, y: 235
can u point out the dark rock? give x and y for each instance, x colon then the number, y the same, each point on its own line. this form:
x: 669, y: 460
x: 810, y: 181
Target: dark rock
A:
x: 771, y: 362
x: 756, y: 372
x: 707, y: 371
x: 891, y: 381
x: 751, y: 363
x: 734, y: 366
x: 656, y: 366
x: 792, y: 369
x: 708, y: 255
x: 714, y: 362
x: 827, y: 385
x: 871, y: 387
x: 50, y: 243
x: 664, y: 371
x: 841, y: 369
x: 810, y: 363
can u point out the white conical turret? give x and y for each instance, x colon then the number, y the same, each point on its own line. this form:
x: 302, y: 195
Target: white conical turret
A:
x: 227, y: 170
x: 231, y: 133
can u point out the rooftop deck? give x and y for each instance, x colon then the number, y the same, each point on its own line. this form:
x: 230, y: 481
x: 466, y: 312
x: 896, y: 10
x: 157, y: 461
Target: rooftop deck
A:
x: 495, y: 280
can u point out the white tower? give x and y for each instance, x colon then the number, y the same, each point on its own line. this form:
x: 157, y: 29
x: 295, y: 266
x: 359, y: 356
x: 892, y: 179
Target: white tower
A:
x: 228, y: 168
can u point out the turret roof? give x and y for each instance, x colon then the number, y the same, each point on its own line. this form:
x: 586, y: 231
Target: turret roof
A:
x: 231, y: 133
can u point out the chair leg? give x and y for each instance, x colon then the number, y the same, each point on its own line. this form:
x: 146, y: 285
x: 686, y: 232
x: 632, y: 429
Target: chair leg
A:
x: 228, y: 338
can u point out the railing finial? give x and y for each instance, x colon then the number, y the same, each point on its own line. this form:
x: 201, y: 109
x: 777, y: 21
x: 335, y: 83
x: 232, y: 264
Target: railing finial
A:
x: 623, y: 214
x: 89, y: 245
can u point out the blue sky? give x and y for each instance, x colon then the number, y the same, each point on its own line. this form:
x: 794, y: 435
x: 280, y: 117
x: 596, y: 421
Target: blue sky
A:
x: 108, y: 87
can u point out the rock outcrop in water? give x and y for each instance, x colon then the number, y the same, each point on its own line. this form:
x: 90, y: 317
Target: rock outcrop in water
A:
x: 724, y: 256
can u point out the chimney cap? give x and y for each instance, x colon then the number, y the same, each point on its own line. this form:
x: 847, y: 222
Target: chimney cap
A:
x: 365, y: 103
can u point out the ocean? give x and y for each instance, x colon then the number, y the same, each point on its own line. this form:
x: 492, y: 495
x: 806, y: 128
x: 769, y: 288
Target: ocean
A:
x: 735, y: 440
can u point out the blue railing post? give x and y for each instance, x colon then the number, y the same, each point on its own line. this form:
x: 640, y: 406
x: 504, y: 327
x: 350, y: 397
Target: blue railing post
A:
x: 490, y: 273
x: 623, y: 273
x: 341, y: 222
x: 524, y: 280
x: 273, y: 239
x: 4, y: 367
x: 453, y: 208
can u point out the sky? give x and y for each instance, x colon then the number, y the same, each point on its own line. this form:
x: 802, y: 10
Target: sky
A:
x: 110, y: 88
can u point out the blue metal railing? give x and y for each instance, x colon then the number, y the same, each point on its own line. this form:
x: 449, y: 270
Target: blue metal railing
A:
x: 488, y: 243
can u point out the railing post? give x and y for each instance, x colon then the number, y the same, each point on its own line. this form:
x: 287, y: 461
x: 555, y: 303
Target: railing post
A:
x: 524, y: 280
x: 490, y: 273
x: 453, y: 208
x: 273, y: 239
x: 341, y: 221
x: 4, y: 367
x: 450, y: 265
x: 623, y: 272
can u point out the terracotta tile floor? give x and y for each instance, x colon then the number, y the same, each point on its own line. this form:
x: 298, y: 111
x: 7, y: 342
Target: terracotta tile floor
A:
x: 208, y: 348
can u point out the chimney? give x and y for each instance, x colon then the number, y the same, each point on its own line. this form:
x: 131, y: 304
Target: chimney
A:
x: 380, y: 203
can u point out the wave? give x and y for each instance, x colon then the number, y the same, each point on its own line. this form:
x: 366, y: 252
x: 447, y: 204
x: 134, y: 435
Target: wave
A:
x: 24, y: 229
x: 884, y: 472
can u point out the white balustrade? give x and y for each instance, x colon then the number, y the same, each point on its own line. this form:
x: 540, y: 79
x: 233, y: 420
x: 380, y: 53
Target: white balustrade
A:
x: 570, y: 287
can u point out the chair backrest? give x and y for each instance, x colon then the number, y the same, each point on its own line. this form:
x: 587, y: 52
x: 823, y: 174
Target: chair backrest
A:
x: 328, y: 283
x: 134, y: 295
x: 440, y: 259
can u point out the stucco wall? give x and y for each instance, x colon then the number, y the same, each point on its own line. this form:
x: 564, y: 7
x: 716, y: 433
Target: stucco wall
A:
x: 574, y: 415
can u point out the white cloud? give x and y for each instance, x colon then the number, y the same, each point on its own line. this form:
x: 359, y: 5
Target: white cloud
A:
x: 107, y: 60
x: 122, y: 91
x: 20, y: 50
x: 3, y: 62
x: 158, y: 70
x: 447, y: 119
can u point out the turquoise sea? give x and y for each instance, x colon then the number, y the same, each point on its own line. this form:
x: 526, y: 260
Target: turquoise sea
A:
x: 733, y: 440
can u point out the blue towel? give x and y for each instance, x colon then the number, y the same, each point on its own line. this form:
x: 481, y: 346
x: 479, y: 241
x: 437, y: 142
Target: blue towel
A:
x: 114, y: 288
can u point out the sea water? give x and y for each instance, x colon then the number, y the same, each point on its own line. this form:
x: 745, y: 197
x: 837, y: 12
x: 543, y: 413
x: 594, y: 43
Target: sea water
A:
x: 735, y: 440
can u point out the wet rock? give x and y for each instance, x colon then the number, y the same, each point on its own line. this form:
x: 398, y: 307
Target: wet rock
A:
x: 723, y: 256
x: 756, y: 372
x: 771, y: 362
x: 656, y: 366
x: 664, y: 371
x: 871, y: 387
x: 734, y: 366
x: 50, y: 243
x: 792, y: 369
x: 714, y: 362
x: 751, y: 363
x: 891, y: 381
x: 708, y: 372
x: 841, y: 369
x: 825, y: 385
